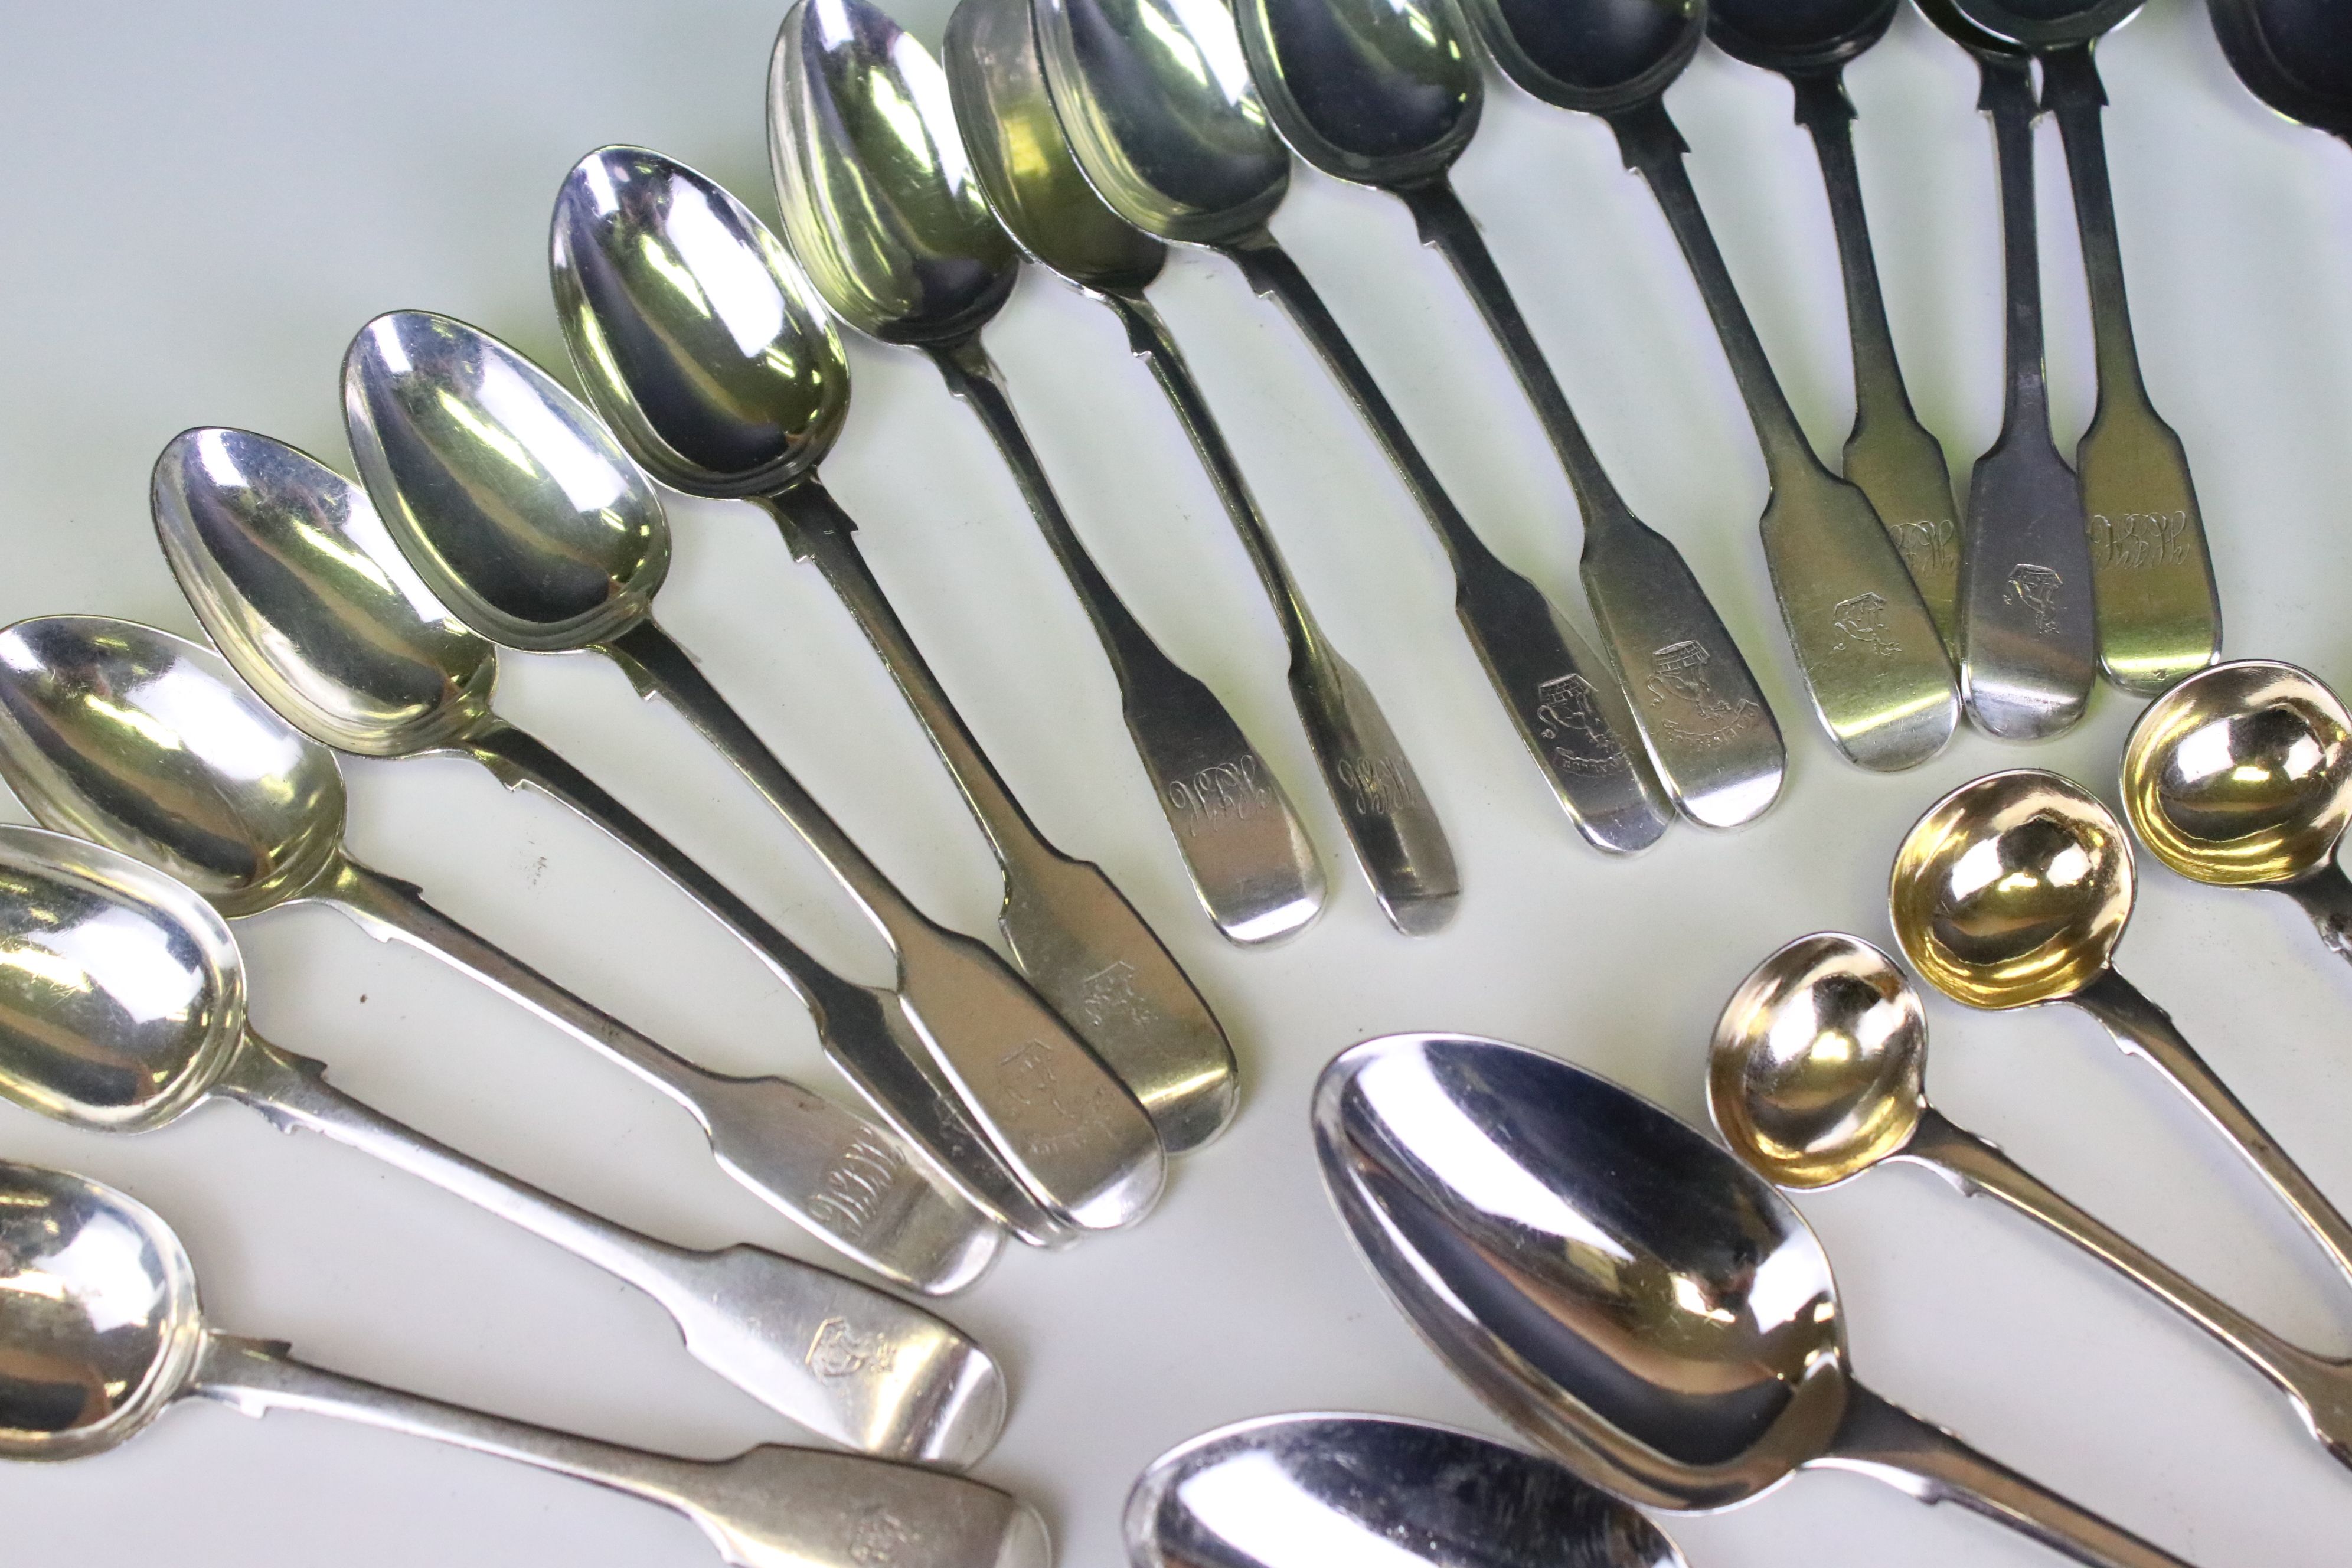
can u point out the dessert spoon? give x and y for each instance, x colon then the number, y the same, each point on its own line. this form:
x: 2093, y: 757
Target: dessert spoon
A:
x: 2294, y: 54
x: 881, y: 207
x: 697, y: 342
x: 1386, y: 93
x: 99, y: 1320
x: 123, y: 1007
x: 1155, y: 99
x: 1872, y: 660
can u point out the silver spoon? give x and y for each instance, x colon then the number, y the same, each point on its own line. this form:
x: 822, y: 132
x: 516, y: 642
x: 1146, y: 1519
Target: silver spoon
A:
x: 1894, y: 459
x: 2294, y: 54
x: 880, y: 206
x: 123, y: 1004
x: 290, y: 571
x: 1872, y: 660
x: 1386, y: 93
x: 148, y: 744
x: 1024, y: 164
x: 514, y: 505
x: 1635, y: 1299
x: 1320, y: 1491
x: 102, y: 1329
x: 662, y: 278
x: 1155, y: 99
x: 2159, y: 614
x: 1816, y: 1074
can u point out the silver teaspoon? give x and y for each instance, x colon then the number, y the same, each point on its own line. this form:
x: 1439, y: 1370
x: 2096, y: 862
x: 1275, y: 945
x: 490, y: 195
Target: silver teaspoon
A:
x: 522, y: 516
x: 123, y: 1002
x: 2294, y: 54
x: 292, y: 574
x: 1386, y: 93
x: 148, y: 744
x: 1873, y: 661
x: 1155, y: 99
x: 880, y: 206
x: 1025, y: 164
x: 700, y: 343
x: 100, y: 1320
x: 1646, y: 1308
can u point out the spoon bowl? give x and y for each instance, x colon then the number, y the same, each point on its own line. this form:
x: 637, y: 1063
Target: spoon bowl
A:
x: 1591, y: 55
x: 1798, y: 35
x: 2296, y: 56
x: 1379, y: 92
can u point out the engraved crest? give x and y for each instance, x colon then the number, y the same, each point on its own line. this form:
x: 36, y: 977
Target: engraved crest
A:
x: 877, y: 1538
x: 1569, y: 716
x: 840, y: 1351
x: 1688, y: 709
x: 2035, y: 588
x: 1861, y: 626
x: 1108, y: 998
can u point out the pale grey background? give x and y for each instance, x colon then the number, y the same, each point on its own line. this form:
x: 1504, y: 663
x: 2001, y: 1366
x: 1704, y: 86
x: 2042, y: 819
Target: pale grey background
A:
x: 210, y: 200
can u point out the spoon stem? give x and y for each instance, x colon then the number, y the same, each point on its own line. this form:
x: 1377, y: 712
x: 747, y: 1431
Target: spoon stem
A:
x: 1536, y: 661
x: 2326, y: 895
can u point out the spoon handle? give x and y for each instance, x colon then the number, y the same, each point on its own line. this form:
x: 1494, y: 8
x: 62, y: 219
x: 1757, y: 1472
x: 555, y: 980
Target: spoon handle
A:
x: 1396, y: 832
x: 2145, y: 1030
x: 1537, y: 664
x: 1644, y: 594
x: 1074, y: 935
x: 839, y: 1176
x: 863, y: 1029
x: 2326, y: 895
x: 771, y: 1506
x: 2159, y: 616
x: 1250, y: 860
x: 846, y: 1361
x: 1890, y: 1445
x: 1890, y: 454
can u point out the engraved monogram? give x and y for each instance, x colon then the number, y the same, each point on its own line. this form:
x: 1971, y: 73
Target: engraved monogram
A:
x: 1861, y: 626
x: 1690, y: 711
x: 1928, y: 546
x: 1228, y: 789
x: 1378, y: 785
x: 2140, y: 540
x: 839, y: 1351
x: 2035, y: 588
x: 1569, y: 716
x: 854, y: 1184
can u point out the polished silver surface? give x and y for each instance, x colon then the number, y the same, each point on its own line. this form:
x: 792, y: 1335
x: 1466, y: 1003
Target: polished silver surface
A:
x: 1339, y: 1491
x: 122, y: 1007
x: 2294, y: 54
x: 101, y: 1330
x: 699, y: 344
x: 1626, y: 1293
x: 148, y: 744
x: 298, y: 583
x: 1875, y: 665
x: 1154, y: 97
x: 1386, y: 93
x: 517, y: 508
x: 881, y: 207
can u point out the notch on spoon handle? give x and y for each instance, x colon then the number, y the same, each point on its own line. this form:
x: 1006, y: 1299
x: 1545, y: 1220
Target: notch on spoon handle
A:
x: 1890, y: 1445
x: 1537, y: 664
x: 1395, y: 831
x: 2145, y: 1030
x: 2159, y: 614
x: 2326, y: 895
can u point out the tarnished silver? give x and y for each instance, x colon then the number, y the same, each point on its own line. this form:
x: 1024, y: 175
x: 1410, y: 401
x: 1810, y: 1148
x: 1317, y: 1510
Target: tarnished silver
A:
x: 1024, y: 166
x: 1872, y: 660
x: 880, y: 207
x: 1628, y: 1295
x: 1890, y: 454
x: 102, y: 1329
x: 2294, y: 54
x: 699, y: 344
x: 123, y: 1007
x: 2029, y: 637
x: 1386, y: 93
x: 518, y: 511
x: 298, y: 583
x: 1817, y: 1072
x: 2159, y: 614
x: 148, y: 744
x: 1338, y: 1492
x: 1155, y: 99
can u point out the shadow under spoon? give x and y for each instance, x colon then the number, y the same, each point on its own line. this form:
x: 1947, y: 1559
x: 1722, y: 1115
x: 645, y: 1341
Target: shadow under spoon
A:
x: 123, y: 1007
x: 699, y: 344
x: 880, y: 206
x: 1154, y: 97
x: 2294, y: 54
x: 519, y: 513
x: 296, y: 580
x: 1874, y: 662
x: 81, y: 1253
x: 148, y: 744
x: 1024, y: 166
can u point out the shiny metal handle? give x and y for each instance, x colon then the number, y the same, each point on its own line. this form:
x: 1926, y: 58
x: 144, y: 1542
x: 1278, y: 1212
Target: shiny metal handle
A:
x: 1537, y: 664
x: 2145, y: 1030
x: 2326, y: 895
x: 1889, y: 1444
x: 1396, y: 832
x: 1250, y: 860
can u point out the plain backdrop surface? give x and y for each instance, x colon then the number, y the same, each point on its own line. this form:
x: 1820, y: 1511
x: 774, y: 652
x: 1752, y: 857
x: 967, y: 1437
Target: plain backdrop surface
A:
x: 209, y: 200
